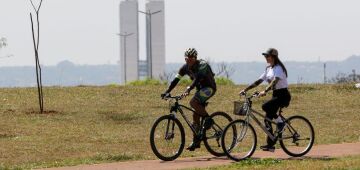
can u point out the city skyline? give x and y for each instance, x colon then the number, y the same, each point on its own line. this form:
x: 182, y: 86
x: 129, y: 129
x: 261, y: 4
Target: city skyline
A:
x: 129, y: 41
x: 132, y: 67
x: 155, y: 37
x: 85, y: 32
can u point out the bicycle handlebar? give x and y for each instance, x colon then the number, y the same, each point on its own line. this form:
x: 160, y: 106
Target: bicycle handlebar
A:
x: 168, y: 96
x: 255, y: 94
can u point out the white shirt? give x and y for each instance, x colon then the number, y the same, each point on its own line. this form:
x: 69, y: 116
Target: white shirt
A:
x: 270, y: 74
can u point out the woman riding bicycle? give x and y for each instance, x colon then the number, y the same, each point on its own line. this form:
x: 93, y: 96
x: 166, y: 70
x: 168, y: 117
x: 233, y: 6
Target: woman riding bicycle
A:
x: 276, y: 75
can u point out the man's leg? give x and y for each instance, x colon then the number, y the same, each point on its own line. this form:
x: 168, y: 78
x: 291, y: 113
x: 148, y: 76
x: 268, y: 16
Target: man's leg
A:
x: 199, y: 111
x: 197, y: 102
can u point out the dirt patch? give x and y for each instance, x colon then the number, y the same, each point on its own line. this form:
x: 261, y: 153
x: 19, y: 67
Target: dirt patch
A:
x: 10, y: 111
x: 45, y: 112
x: 4, y: 135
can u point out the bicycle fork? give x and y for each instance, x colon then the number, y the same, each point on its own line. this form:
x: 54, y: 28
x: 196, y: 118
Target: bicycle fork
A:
x: 170, y: 124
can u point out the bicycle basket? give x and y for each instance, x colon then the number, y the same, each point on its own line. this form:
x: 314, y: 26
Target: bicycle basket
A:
x: 239, y: 108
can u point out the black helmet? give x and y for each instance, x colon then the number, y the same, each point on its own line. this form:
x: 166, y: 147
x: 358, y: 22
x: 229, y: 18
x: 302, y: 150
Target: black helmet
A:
x: 191, y: 52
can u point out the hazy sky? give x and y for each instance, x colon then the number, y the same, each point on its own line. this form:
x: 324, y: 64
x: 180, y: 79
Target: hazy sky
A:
x: 84, y: 31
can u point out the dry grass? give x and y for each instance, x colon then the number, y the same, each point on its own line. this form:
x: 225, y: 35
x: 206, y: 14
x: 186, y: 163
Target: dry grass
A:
x: 106, y: 124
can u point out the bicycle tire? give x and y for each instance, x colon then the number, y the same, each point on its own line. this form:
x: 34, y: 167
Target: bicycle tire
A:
x: 213, y: 142
x: 230, y: 150
x: 291, y: 150
x: 157, y: 152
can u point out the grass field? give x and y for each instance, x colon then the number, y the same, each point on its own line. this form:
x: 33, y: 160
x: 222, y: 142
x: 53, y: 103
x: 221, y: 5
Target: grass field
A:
x: 85, y: 125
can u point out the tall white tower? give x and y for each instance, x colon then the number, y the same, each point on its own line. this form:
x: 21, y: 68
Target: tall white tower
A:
x: 129, y: 40
x: 155, y: 38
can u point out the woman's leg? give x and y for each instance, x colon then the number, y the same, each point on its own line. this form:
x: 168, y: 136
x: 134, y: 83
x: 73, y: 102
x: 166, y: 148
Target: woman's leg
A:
x: 270, y: 107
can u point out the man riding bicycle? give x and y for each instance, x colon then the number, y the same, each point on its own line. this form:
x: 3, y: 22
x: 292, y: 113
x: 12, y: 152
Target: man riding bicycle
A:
x: 203, y: 80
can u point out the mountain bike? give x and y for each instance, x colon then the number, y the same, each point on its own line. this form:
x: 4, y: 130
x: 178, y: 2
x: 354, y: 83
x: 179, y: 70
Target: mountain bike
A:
x: 167, y: 135
x: 239, y: 138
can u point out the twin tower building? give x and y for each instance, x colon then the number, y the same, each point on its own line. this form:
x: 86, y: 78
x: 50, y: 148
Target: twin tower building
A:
x: 132, y: 68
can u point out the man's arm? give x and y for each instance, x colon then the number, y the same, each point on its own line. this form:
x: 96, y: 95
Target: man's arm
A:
x: 173, y: 83
x: 194, y: 83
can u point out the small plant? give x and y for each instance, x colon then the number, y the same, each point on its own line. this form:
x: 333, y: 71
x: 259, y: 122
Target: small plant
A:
x: 224, y: 81
x: 145, y: 82
x: 113, y: 85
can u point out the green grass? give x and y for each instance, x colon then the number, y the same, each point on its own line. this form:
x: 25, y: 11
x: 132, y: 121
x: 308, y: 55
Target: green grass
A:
x: 88, y: 124
x: 146, y: 82
x: 352, y: 162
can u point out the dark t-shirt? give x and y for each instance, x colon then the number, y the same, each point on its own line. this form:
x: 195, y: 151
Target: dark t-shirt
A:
x: 200, y: 73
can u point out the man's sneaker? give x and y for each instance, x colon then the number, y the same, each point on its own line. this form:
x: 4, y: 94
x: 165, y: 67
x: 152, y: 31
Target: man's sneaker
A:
x: 268, y: 148
x: 193, y: 146
x: 280, y: 127
x: 208, y: 122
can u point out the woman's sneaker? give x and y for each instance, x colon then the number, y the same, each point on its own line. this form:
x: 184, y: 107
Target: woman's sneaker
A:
x: 268, y: 148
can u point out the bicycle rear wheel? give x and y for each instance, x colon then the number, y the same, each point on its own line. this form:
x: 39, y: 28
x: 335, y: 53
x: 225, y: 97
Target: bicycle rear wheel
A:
x: 298, y: 136
x: 212, y: 137
x: 239, y: 140
x: 167, y: 138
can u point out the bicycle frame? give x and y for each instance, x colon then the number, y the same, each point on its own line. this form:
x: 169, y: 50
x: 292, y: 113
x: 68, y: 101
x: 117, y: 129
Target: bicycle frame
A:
x: 253, y: 117
x: 177, y: 108
x: 251, y: 114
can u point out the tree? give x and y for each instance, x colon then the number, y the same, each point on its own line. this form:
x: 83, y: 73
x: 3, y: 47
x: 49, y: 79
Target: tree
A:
x: 3, y: 42
x: 346, y: 78
x: 224, y: 69
x: 167, y: 76
x: 36, y: 49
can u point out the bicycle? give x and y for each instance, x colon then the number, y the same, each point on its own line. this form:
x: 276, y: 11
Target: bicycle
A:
x: 167, y: 136
x: 239, y: 138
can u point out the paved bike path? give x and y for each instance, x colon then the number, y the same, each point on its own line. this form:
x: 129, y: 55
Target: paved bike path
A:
x: 318, y: 151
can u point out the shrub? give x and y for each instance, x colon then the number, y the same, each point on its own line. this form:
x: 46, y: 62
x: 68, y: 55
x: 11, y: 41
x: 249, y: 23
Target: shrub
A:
x: 145, y: 82
x: 223, y: 81
x: 185, y: 81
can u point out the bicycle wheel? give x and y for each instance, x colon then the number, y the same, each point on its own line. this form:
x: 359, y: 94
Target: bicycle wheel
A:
x: 239, y: 140
x: 167, y: 138
x: 298, y: 136
x: 212, y: 137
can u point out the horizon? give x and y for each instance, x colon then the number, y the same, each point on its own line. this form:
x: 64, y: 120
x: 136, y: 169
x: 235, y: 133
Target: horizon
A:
x: 285, y: 61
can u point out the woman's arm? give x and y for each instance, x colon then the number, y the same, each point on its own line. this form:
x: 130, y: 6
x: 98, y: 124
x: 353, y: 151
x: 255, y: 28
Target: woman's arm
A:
x: 256, y: 83
x: 272, y: 84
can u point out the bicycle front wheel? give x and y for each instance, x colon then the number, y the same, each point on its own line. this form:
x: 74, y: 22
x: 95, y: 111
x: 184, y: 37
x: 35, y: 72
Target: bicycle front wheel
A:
x: 212, y: 139
x: 167, y: 138
x: 298, y: 136
x: 239, y: 140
